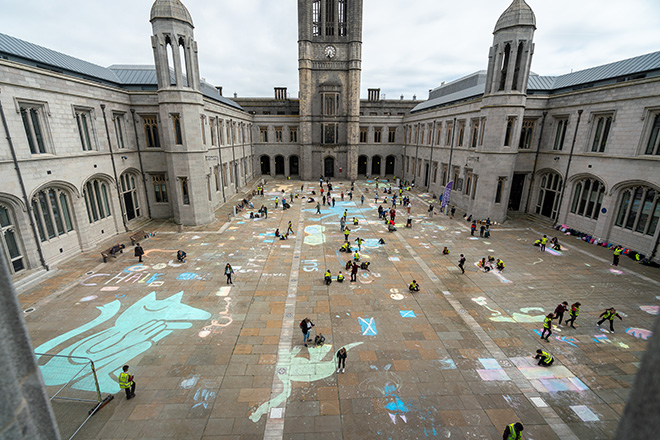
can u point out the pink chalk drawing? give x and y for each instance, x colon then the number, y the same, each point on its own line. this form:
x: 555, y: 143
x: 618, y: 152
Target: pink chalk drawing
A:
x: 639, y: 333
x: 651, y: 310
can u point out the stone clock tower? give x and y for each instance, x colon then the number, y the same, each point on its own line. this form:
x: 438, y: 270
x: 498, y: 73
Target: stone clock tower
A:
x: 330, y: 54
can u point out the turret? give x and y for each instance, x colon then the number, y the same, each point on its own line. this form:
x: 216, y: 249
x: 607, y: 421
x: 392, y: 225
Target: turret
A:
x: 510, y: 55
x: 175, y: 48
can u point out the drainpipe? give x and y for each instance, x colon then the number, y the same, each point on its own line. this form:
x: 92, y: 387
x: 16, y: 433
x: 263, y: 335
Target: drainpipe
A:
x: 144, y: 178
x: 536, y: 160
x: 433, y: 140
x: 37, y: 240
x: 416, y: 152
x: 233, y: 153
x: 568, y: 167
x: 114, y: 167
x: 222, y: 177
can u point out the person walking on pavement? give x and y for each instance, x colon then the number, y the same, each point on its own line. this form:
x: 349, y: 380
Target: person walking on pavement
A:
x: 346, y: 232
x: 333, y: 202
x: 513, y: 431
x: 559, y: 312
x: 127, y: 382
x: 575, y: 311
x: 265, y: 212
x: 359, y: 243
x: 616, y: 255
x: 362, y: 200
x: 482, y: 229
x: 461, y: 263
x: 327, y: 277
x: 276, y: 201
x: 545, y: 358
x: 544, y: 241
x: 318, y: 207
x: 341, y: 360
x: 547, y: 326
x: 609, y: 314
x: 139, y: 252
x: 306, y: 327
x: 354, y: 272
x: 289, y: 228
x: 228, y: 272
x: 473, y: 227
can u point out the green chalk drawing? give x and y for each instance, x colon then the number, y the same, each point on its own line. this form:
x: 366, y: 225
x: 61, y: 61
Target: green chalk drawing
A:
x: 135, y: 331
x: 525, y: 316
x: 291, y: 368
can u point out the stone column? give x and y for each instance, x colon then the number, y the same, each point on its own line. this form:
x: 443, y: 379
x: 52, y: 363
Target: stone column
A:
x: 25, y: 412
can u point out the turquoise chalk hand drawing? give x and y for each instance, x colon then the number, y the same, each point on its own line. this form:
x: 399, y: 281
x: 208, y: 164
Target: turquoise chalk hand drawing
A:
x: 298, y: 369
x: 135, y: 331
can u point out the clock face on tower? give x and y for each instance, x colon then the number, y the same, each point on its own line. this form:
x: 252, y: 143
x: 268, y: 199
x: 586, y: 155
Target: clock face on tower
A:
x: 330, y: 51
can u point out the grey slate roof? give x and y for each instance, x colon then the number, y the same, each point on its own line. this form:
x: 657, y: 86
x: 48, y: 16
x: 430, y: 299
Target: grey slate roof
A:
x: 118, y: 75
x: 649, y: 63
x: 20, y: 50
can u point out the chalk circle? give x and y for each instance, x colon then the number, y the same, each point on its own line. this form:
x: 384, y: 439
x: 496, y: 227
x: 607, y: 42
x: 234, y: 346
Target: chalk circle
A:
x: 88, y: 298
x: 396, y: 296
x: 119, y: 295
x: 204, y: 333
x: 29, y: 310
x: 159, y: 266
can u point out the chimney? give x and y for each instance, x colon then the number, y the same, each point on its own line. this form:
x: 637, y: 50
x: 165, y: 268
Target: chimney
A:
x: 280, y: 93
x: 374, y: 94
x: 219, y: 89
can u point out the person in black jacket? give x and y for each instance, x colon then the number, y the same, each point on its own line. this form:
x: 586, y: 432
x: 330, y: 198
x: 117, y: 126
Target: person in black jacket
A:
x: 341, y: 360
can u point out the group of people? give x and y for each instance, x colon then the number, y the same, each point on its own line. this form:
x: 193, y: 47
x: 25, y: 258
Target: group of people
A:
x: 608, y: 315
x: 484, y: 229
x: 543, y: 241
x: 491, y: 263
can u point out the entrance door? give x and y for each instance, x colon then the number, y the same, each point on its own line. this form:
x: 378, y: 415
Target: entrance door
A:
x: 265, y: 164
x: 375, y: 166
x: 362, y: 165
x: 389, y: 165
x: 548, y: 203
x: 329, y: 167
x: 128, y: 203
x: 279, y: 165
x: 293, y: 165
x: 426, y: 175
x: 515, y: 196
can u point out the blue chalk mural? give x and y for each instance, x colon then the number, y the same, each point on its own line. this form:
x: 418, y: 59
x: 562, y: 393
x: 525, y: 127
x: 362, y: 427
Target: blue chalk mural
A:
x: 135, y: 331
x: 407, y: 314
x: 368, y: 326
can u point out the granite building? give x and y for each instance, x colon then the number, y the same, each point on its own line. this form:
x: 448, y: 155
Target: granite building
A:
x: 88, y: 152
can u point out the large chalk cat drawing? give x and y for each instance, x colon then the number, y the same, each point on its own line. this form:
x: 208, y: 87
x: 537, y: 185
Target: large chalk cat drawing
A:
x: 135, y: 331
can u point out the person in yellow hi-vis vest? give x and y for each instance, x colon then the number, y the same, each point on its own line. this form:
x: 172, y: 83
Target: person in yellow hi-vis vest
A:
x: 513, y: 431
x: 126, y: 382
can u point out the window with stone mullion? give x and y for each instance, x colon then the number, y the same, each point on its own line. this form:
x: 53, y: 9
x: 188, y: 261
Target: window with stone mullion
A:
x: 653, y: 145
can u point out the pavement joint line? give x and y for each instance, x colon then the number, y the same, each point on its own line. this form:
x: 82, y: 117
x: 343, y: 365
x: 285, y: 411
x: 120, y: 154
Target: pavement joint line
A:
x: 275, y: 426
x: 603, y: 260
x: 552, y: 418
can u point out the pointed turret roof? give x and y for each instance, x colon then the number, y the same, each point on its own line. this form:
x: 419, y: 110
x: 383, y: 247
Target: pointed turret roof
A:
x: 171, y: 9
x: 517, y: 14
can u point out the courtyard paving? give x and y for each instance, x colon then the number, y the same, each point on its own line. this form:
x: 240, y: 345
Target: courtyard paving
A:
x: 218, y: 361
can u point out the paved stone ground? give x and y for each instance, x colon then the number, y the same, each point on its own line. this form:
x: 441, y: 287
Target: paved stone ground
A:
x: 451, y: 361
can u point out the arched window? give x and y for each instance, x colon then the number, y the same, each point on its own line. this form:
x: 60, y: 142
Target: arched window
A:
x: 51, y: 213
x: 639, y: 210
x: 96, y: 200
x: 9, y: 242
x: 129, y: 196
x: 588, y: 198
x: 547, y: 203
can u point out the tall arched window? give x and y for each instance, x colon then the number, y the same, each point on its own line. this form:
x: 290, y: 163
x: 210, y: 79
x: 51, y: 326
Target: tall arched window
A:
x: 639, y: 210
x: 547, y: 203
x: 129, y: 196
x: 588, y: 198
x: 52, y: 215
x: 96, y: 200
x: 9, y: 242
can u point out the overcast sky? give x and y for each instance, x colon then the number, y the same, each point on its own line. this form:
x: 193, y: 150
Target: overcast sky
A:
x: 409, y: 46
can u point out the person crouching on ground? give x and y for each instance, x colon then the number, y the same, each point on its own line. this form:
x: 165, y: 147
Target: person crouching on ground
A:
x: 545, y: 358
x: 181, y: 256
x: 413, y: 287
x: 328, y: 277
